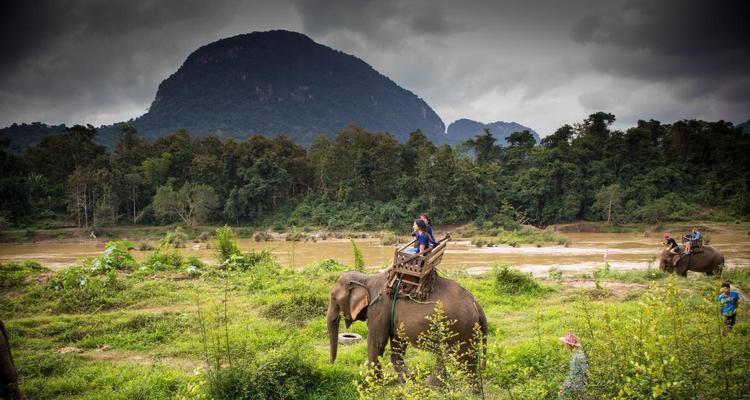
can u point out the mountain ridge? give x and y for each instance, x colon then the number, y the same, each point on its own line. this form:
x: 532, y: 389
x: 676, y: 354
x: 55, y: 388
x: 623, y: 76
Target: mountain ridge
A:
x: 463, y: 129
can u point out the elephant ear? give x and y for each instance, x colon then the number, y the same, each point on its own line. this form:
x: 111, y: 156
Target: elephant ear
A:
x: 359, y: 298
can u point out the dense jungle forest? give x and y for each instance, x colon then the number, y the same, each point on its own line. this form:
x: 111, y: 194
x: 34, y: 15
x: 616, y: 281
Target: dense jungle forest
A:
x: 652, y: 172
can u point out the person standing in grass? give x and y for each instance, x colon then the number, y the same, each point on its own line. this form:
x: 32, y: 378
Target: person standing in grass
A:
x: 575, y: 384
x: 728, y: 300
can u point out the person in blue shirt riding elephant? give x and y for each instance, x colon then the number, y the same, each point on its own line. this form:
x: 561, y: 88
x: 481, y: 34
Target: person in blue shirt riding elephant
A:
x: 692, y: 239
x: 422, y: 243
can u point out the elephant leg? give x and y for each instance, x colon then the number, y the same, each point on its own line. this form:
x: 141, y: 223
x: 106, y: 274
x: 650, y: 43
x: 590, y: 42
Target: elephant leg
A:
x: 398, y: 348
x: 375, y: 348
x: 470, y: 360
x: 439, y: 373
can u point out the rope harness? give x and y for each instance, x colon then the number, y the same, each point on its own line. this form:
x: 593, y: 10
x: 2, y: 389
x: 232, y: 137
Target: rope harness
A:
x: 393, y: 307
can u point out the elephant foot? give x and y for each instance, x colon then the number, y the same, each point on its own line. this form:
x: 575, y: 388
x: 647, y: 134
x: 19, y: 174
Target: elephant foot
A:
x: 404, y: 376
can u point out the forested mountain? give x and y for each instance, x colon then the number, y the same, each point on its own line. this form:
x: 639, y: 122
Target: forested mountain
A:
x: 465, y: 129
x: 651, y: 172
x: 282, y: 82
x: 22, y: 136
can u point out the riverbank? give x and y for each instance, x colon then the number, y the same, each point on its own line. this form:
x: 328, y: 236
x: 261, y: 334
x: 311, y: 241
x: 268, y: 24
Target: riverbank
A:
x: 554, y: 234
x: 582, y: 252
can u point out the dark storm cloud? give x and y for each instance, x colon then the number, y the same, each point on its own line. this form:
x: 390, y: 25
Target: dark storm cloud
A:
x: 97, y: 58
x: 538, y: 62
x: 381, y: 22
x: 700, y: 47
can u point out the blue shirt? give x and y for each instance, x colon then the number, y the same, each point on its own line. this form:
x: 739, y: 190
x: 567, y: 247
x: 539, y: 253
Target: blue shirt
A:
x: 433, y: 241
x: 422, y: 239
x: 728, y: 303
x: 696, y: 235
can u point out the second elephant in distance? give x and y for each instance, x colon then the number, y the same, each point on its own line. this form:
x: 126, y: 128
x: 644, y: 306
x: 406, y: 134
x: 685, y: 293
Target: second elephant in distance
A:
x: 363, y: 297
x: 708, y: 260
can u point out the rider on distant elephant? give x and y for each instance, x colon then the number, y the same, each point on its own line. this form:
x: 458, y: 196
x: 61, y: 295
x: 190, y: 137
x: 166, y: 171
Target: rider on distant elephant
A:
x: 692, y: 239
x: 671, y: 244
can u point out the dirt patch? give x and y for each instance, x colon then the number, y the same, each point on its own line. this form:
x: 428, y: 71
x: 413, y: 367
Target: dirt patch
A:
x: 615, y: 289
x: 106, y: 354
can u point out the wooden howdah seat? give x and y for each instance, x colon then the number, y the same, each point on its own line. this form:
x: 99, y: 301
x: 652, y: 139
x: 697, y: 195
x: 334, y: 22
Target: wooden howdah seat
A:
x: 416, y: 272
x: 696, y: 245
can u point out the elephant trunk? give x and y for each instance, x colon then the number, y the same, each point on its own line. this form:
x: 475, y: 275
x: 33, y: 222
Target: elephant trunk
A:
x: 333, y: 329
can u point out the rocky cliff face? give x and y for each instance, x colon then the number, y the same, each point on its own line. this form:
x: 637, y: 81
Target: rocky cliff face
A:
x: 282, y: 82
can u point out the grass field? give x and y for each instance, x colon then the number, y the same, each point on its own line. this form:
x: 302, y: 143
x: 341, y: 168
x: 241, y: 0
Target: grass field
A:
x: 250, y: 329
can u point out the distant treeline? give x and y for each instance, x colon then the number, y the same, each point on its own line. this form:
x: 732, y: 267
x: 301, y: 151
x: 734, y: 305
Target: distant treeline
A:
x: 359, y: 180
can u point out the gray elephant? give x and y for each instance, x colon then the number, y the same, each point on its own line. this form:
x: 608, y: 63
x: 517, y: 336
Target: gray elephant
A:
x: 708, y: 260
x: 362, y: 297
x: 9, y: 388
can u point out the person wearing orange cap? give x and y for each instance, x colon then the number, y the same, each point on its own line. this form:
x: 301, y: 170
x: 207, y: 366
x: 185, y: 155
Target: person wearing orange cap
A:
x: 575, y: 383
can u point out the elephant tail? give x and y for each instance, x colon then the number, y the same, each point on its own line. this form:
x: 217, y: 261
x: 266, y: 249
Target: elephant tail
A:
x: 483, y: 327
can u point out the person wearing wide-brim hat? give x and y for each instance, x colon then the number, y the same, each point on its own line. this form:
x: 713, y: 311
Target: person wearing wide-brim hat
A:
x: 575, y: 383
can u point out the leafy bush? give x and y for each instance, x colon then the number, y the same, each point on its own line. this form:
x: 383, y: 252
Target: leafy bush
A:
x: 115, y: 257
x: 225, y: 246
x: 247, y: 261
x: 737, y: 275
x: 165, y: 258
x: 281, y: 376
x: 512, y: 281
x: 664, y: 351
x: 13, y: 274
x: 175, y: 238
x: 323, y: 267
x: 298, y: 307
x: 78, y: 291
x: 295, y: 236
x: 359, y: 260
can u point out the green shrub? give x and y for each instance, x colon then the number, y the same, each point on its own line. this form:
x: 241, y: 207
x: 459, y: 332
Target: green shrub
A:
x: 359, y: 260
x: 298, y: 307
x: 247, y: 261
x: 13, y: 274
x: 165, y: 258
x: 225, y: 246
x: 295, y: 236
x: 281, y: 376
x: 673, y: 348
x: 512, y: 281
x: 145, y: 246
x: 737, y: 276
x: 114, y: 257
x: 175, y: 238
x: 78, y: 291
x: 323, y: 267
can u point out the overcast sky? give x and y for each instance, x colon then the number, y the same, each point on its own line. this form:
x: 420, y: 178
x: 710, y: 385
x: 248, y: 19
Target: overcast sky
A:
x: 540, y: 63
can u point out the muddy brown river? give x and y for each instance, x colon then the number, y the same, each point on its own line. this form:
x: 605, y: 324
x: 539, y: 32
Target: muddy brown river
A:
x: 585, y: 252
